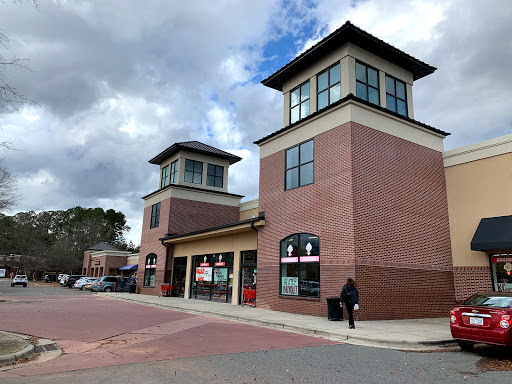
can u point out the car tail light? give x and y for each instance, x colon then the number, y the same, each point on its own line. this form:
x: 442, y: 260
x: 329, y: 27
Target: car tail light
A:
x: 504, y: 321
x: 99, y: 284
x: 453, y: 318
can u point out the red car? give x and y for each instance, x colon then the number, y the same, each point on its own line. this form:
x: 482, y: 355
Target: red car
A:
x: 483, y: 318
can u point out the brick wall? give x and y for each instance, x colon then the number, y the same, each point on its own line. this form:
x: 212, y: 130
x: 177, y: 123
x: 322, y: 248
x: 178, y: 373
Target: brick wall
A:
x: 150, y: 243
x: 177, y: 216
x: 469, y: 280
x: 378, y: 205
x: 189, y: 215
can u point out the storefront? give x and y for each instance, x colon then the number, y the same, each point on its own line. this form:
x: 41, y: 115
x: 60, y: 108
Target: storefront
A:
x: 212, y: 277
x: 501, y: 268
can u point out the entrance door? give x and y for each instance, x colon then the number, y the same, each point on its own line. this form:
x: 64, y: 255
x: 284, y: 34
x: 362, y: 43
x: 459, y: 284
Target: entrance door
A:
x: 179, y: 276
x: 248, y: 276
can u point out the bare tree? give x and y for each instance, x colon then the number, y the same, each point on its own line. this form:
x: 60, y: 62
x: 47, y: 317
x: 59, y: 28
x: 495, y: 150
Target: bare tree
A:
x: 11, y: 99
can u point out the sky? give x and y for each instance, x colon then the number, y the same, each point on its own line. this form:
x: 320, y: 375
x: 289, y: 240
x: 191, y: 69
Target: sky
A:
x: 117, y: 82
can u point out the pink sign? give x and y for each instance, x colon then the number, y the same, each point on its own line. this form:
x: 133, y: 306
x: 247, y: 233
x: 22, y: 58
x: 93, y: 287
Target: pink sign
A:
x: 204, y: 264
x: 289, y: 259
x: 304, y: 259
x: 220, y: 264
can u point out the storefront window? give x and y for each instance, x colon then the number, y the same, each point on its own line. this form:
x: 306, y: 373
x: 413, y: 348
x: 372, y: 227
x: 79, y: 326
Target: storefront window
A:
x: 502, y: 272
x: 213, y: 277
x: 300, y: 265
x: 150, y: 270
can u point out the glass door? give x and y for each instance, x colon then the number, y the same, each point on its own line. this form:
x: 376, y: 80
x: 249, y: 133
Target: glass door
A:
x: 248, y: 277
x: 179, y: 276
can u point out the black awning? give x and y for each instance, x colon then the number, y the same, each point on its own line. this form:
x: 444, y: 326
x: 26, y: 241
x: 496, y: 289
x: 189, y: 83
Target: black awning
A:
x: 493, y: 233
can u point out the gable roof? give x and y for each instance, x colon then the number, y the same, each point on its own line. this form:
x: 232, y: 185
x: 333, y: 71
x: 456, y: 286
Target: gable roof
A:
x: 197, y: 147
x: 102, y: 246
x: 348, y: 33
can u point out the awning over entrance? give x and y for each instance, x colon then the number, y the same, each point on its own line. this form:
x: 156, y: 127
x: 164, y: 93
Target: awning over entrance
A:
x: 493, y: 233
x: 130, y: 267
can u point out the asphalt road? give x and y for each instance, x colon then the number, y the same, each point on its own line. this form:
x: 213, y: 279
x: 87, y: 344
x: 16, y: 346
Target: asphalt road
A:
x: 108, y: 341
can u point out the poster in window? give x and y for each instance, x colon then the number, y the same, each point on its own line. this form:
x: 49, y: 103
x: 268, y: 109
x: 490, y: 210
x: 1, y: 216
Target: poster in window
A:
x: 502, y: 273
x: 204, y: 274
x: 2, y: 272
x: 220, y: 275
x: 290, y: 286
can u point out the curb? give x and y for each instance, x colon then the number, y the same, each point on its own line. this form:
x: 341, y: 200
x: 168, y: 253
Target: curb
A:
x: 25, y: 353
x: 345, y: 337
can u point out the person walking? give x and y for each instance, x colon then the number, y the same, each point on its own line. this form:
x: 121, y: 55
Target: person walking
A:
x: 350, y: 298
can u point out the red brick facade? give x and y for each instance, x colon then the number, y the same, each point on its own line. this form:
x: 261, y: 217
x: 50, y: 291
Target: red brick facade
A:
x: 469, y: 280
x: 177, y: 216
x: 378, y: 204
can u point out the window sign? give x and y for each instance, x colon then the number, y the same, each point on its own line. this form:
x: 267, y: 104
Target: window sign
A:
x: 290, y: 286
x: 502, y: 272
x: 204, y: 274
x: 221, y: 275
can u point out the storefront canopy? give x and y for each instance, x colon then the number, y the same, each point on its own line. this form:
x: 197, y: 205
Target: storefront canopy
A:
x: 493, y: 233
x: 130, y: 267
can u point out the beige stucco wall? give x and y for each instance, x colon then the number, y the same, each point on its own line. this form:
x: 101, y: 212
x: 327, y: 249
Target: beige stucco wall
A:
x: 476, y: 189
x: 248, y: 209
x: 236, y: 243
x: 358, y: 113
x: 187, y: 194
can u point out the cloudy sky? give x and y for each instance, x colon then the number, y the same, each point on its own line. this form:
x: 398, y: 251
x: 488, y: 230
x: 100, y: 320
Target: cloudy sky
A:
x: 117, y: 82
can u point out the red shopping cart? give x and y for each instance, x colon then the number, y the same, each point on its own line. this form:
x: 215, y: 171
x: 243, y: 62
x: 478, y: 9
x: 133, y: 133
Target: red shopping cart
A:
x: 166, y: 290
x: 249, y: 297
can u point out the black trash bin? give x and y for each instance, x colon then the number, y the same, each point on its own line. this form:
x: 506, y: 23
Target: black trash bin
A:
x: 334, y: 311
x: 132, y: 287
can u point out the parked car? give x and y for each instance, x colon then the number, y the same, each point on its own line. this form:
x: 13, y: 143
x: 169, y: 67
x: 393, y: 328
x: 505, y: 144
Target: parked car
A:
x: 62, y: 278
x: 80, y: 283
x: 483, y: 318
x: 50, y: 277
x: 19, y: 280
x: 108, y: 283
x: 89, y: 284
x: 70, y: 280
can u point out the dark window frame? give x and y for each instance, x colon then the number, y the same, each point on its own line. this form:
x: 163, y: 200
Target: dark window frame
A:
x: 366, y: 83
x: 299, y: 105
x: 193, y: 172
x: 214, y: 175
x: 164, y: 177
x: 155, y: 216
x: 174, y: 172
x: 149, y: 272
x: 328, y: 89
x: 299, y: 263
x: 395, y: 96
x: 299, y: 165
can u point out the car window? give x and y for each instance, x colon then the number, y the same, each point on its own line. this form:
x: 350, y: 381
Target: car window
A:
x: 489, y: 301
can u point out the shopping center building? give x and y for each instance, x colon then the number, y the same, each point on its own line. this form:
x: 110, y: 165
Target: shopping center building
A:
x: 351, y: 186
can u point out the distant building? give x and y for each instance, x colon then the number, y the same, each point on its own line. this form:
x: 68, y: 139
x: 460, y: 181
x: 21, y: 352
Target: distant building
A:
x: 104, y: 259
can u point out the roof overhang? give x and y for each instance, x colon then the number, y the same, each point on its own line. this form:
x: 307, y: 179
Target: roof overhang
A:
x: 348, y: 33
x: 199, y: 148
x: 493, y: 233
x: 129, y: 267
x: 225, y: 230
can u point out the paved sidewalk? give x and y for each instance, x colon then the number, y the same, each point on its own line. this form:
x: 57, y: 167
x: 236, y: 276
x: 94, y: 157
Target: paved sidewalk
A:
x: 414, y: 334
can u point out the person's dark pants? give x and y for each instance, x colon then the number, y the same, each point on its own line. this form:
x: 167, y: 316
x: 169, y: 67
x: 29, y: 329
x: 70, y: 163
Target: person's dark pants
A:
x: 350, y: 310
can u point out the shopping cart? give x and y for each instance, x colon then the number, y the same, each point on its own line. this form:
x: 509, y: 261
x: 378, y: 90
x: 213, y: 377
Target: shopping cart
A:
x: 166, y: 290
x: 249, y: 297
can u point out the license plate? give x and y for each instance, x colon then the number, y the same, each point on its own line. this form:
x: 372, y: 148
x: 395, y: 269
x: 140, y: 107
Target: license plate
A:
x: 476, y: 321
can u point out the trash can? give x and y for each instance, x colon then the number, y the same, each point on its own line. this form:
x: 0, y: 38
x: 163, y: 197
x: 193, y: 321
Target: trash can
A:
x: 133, y: 287
x: 334, y: 311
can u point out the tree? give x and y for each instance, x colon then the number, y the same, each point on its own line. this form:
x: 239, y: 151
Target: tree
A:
x: 11, y: 99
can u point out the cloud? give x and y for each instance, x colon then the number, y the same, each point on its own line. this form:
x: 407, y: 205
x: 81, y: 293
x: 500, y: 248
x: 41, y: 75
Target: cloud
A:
x: 117, y: 82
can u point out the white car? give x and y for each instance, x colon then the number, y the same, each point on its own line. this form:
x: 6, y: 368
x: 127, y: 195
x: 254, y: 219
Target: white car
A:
x: 19, y: 280
x: 62, y: 279
x: 80, y: 283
